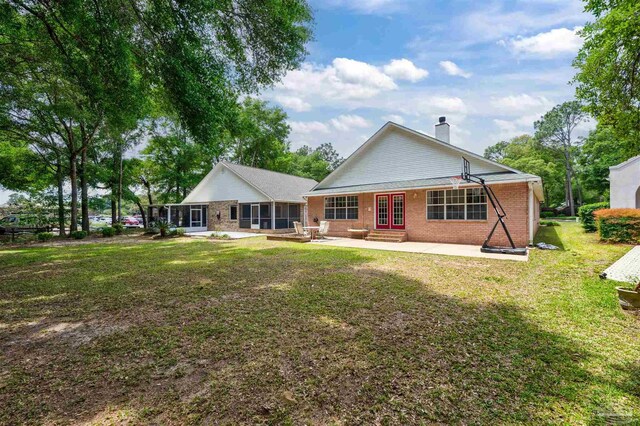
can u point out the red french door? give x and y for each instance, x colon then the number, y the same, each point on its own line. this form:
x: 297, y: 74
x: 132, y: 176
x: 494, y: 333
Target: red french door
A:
x: 390, y: 211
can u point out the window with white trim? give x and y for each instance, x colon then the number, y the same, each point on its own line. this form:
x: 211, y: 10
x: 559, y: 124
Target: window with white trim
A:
x: 343, y: 207
x: 457, y: 204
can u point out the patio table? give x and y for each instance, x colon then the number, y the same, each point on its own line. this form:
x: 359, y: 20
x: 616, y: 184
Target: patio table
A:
x: 313, y: 230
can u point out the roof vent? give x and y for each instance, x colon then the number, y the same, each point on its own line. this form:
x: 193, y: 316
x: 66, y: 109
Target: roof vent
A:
x: 442, y: 130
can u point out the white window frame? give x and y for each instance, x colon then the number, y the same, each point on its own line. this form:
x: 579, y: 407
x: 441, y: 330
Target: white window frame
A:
x: 346, y: 207
x: 466, y: 205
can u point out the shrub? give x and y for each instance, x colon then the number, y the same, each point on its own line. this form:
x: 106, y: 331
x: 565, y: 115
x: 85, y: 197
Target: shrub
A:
x: 108, y: 231
x: 118, y: 228
x: 44, y: 236
x: 78, y: 235
x: 180, y: 232
x: 219, y: 236
x: 585, y: 213
x: 547, y: 214
x: 618, y: 225
x: 548, y: 223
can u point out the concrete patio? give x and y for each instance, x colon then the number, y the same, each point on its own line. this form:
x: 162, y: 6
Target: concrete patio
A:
x: 416, y: 247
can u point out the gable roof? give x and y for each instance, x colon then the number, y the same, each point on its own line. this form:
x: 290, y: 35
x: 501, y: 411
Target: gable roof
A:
x: 625, y: 163
x: 411, y: 165
x: 274, y: 186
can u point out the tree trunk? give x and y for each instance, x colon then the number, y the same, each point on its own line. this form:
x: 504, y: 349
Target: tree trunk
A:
x: 84, y: 188
x: 73, y: 176
x: 147, y: 185
x: 569, y: 186
x: 114, y: 211
x: 120, y: 183
x: 60, y: 179
x: 142, y: 213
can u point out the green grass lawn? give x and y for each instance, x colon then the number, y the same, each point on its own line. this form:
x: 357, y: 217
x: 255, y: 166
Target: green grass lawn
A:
x: 254, y: 331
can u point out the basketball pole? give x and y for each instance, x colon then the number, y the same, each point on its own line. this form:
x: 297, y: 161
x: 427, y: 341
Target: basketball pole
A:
x: 499, y: 210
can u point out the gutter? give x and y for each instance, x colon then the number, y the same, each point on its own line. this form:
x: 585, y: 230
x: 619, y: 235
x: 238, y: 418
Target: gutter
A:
x: 463, y: 185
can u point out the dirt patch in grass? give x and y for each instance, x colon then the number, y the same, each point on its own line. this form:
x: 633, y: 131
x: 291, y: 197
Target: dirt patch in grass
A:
x: 262, y: 332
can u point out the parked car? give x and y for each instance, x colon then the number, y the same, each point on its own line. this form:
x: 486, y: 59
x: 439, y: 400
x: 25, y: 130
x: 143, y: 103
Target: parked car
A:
x: 130, y: 222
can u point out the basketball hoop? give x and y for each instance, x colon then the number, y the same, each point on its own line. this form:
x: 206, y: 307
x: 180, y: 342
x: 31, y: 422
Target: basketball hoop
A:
x: 455, y: 181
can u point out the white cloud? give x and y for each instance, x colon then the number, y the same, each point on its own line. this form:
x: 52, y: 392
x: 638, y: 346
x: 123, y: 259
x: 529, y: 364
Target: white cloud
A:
x: 557, y: 42
x: 356, y: 72
x: 394, y: 117
x: 495, y: 21
x: 347, y: 122
x: 294, y: 103
x: 343, y: 79
x: 308, y: 127
x: 404, y: 69
x: 452, y: 69
x: 366, y: 6
x: 520, y: 103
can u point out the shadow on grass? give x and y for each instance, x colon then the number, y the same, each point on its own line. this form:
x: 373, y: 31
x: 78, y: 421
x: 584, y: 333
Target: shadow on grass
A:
x: 549, y: 235
x: 240, y: 334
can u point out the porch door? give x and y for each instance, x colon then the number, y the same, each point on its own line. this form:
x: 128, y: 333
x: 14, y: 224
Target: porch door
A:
x: 390, y: 211
x: 255, y: 216
x: 196, y: 217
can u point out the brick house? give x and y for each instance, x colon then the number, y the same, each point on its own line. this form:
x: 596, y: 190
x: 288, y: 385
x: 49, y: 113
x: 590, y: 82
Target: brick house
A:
x: 398, y: 185
x: 232, y: 197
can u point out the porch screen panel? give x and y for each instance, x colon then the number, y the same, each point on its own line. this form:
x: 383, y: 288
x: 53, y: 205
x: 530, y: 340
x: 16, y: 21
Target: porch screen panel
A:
x: 294, y: 214
x: 245, y: 216
x: 281, y: 215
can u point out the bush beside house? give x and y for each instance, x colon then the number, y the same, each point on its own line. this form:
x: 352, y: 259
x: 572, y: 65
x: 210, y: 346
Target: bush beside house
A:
x: 585, y: 213
x: 618, y: 225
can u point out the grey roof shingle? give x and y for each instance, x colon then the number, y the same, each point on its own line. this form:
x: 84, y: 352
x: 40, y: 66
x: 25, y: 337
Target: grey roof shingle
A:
x: 275, y: 185
x: 420, y: 183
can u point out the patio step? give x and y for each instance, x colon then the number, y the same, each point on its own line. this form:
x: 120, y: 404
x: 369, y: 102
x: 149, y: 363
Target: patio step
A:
x: 387, y: 236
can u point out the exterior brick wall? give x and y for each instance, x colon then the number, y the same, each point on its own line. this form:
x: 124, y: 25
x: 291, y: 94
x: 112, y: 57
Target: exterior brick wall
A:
x: 225, y: 223
x: 514, y: 199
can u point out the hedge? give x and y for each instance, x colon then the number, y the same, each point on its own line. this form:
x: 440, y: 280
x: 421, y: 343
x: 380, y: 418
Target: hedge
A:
x: 619, y: 225
x: 585, y: 213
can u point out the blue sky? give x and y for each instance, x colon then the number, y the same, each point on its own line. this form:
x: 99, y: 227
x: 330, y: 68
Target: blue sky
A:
x: 491, y: 67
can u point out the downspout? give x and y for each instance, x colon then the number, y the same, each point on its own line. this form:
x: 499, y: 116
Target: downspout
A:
x: 531, y: 201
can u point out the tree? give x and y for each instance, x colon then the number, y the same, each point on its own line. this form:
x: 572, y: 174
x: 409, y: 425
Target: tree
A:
x: 600, y: 150
x: 174, y: 164
x: 330, y: 155
x: 608, y: 78
x: 554, y: 130
x: 260, y: 138
x: 527, y: 154
x: 89, y: 64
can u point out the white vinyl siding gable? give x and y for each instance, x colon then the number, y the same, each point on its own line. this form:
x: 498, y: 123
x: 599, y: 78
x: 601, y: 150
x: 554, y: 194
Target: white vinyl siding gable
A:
x: 223, y: 184
x: 398, y: 155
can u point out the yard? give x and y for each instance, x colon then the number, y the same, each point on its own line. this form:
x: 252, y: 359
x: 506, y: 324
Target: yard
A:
x: 255, y: 331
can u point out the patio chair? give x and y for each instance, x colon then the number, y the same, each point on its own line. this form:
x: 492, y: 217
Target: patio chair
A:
x: 324, y: 229
x: 299, y: 229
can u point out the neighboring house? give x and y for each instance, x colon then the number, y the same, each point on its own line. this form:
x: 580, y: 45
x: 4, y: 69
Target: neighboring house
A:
x: 624, y: 181
x: 240, y: 198
x: 399, y: 181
